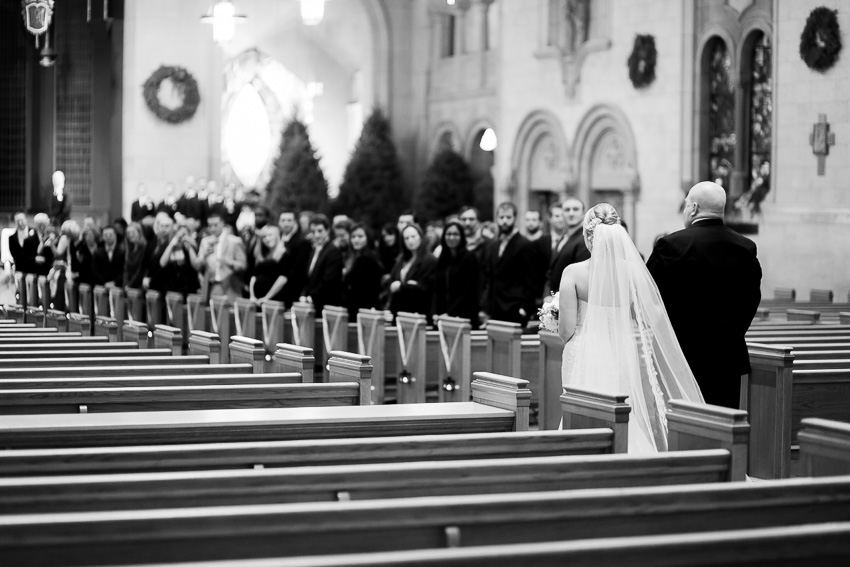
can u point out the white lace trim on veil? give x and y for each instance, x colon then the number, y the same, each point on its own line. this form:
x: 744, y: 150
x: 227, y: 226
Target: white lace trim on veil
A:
x: 628, y: 344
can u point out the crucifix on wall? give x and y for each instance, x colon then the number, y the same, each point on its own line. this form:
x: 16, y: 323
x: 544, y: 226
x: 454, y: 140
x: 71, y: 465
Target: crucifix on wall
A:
x: 820, y: 139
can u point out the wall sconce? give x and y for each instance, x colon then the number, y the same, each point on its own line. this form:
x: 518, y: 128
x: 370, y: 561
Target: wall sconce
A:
x: 223, y: 18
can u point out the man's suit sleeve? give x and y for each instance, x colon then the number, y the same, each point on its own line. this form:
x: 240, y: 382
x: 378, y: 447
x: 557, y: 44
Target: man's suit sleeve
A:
x: 658, y: 264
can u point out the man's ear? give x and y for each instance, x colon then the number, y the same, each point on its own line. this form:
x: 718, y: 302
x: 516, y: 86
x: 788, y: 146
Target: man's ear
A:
x: 695, y: 209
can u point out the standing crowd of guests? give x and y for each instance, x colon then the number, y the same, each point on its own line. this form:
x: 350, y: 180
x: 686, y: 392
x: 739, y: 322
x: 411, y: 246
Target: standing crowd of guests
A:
x: 219, y: 243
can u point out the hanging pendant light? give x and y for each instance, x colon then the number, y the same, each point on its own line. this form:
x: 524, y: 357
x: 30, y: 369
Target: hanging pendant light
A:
x: 223, y: 18
x: 312, y: 12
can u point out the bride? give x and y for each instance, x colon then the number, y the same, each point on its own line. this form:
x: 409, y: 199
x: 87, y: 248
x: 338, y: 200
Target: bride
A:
x: 617, y: 333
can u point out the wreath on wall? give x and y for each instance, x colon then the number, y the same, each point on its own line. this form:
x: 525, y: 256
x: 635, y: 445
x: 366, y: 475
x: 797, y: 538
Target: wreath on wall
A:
x: 642, y: 61
x: 820, y: 42
x: 187, y: 90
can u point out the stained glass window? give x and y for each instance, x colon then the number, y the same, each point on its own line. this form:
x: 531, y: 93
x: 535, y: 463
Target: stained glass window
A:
x: 721, y: 114
x: 761, y: 124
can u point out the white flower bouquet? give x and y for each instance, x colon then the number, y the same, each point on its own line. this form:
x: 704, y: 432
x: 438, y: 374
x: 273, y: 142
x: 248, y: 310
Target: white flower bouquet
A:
x: 548, y: 314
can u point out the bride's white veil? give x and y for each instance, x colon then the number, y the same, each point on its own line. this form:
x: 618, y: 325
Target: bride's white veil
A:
x: 628, y: 344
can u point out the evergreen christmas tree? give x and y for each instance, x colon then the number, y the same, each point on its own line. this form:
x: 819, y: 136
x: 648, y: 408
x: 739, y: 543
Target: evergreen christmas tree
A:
x: 297, y: 177
x: 446, y: 187
x: 371, y: 189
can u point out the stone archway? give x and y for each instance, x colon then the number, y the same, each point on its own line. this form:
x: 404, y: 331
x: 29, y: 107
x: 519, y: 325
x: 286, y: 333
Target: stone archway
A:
x: 541, y: 164
x: 606, y: 162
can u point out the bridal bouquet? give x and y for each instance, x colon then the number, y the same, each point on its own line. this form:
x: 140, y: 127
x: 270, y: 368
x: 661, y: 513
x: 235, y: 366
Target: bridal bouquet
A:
x: 548, y: 314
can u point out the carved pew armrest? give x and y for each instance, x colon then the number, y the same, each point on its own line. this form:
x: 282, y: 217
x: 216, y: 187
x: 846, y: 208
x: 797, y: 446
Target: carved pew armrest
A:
x: 503, y: 392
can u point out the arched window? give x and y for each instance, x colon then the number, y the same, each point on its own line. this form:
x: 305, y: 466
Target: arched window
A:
x: 722, y: 137
x: 760, y: 124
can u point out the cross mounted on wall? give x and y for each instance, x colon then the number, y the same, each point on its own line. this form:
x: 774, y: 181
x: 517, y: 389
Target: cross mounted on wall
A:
x: 820, y: 139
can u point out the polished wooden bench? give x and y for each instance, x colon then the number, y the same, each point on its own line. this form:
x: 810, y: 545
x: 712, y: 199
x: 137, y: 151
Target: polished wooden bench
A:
x: 280, y: 530
x: 161, y: 379
x: 267, y: 454
x: 824, y: 447
x: 175, y: 398
x: 136, y: 491
x: 813, y: 545
x: 95, y: 361
x: 123, y: 354
x: 122, y: 371
x: 501, y: 404
x: 17, y: 338
x: 54, y: 346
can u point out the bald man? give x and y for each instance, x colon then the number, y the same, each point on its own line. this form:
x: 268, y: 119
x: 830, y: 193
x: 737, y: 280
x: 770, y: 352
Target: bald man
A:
x: 710, y: 280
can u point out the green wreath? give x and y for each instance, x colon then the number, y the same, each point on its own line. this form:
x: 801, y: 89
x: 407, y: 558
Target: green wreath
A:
x: 642, y: 61
x: 186, y: 85
x: 820, y: 42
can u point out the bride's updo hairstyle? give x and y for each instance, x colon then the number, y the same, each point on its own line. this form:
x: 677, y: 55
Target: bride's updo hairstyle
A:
x: 603, y: 213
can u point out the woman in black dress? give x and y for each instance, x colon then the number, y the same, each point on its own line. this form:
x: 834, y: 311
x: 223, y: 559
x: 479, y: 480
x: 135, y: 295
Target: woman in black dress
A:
x: 137, y: 256
x: 270, y: 267
x: 457, y: 291
x: 412, y: 278
x: 389, y: 247
x: 171, y: 265
x: 361, y: 281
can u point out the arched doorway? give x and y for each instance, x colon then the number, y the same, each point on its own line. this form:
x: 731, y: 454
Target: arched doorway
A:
x: 606, y: 162
x: 541, y: 163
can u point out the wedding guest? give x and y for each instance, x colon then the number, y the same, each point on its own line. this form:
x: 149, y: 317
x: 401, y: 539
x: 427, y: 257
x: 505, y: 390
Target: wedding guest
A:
x: 82, y: 261
x: 270, y: 267
x: 221, y: 260
x: 23, y: 245
x: 173, y: 261
x: 570, y: 248
x: 709, y: 265
x: 136, y: 256
x: 508, y: 271
x: 44, y: 250
x: 60, y: 200
x: 108, y: 260
x: 361, y: 279
x: 542, y: 246
x: 456, y: 288
x: 62, y: 252
x: 120, y: 226
x: 169, y: 203
x: 412, y: 278
x: 298, y: 250
x: 475, y: 240
x: 143, y: 206
x: 324, y: 272
x: 389, y: 247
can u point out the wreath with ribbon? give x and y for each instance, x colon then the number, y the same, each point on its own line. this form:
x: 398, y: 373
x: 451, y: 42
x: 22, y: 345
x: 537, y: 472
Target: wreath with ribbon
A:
x: 186, y: 86
x: 642, y: 61
x: 820, y: 42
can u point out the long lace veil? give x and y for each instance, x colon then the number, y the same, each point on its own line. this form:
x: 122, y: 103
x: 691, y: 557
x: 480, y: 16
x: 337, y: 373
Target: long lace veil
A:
x: 628, y: 344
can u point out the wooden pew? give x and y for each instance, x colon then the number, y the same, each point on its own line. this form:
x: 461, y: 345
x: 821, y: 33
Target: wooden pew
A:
x: 815, y: 545
x: 207, y: 344
x: 90, y: 350
x: 314, y: 452
x: 118, y: 371
x: 549, y: 380
x: 23, y: 328
x: 136, y: 360
x: 145, y: 381
x: 53, y: 338
x: 221, y: 319
x: 292, y: 358
x: 455, y: 358
x: 82, y: 400
x: 824, y: 447
x: 137, y: 491
x: 261, y: 531
x: 499, y: 404
x: 780, y: 393
x: 371, y: 339
x: 334, y: 324
x: 411, y: 341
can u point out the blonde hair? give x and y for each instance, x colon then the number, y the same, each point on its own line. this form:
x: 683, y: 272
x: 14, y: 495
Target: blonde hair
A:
x: 603, y: 213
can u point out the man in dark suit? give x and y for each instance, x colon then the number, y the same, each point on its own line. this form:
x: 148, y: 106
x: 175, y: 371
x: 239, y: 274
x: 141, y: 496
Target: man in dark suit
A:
x: 571, y: 248
x: 710, y: 280
x: 509, y: 271
x: 143, y: 206
x: 541, y: 243
x: 324, y: 272
x: 23, y: 245
x: 298, y: 254
x: 108, y: 260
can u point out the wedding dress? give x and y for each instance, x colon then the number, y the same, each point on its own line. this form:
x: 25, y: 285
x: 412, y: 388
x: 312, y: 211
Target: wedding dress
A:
x: 624, y: 342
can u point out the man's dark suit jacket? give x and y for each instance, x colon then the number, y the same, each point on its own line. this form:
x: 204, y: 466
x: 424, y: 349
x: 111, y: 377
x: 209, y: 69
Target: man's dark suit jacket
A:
x: 710, y: 281
x: 138, y: 211
x: 299, y: 252
x: 324, y: 283
x: 573, y: 251
x: 542, y: 258
x: 24, y: 256
x: 510, y: 280
x: 106, y: 270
